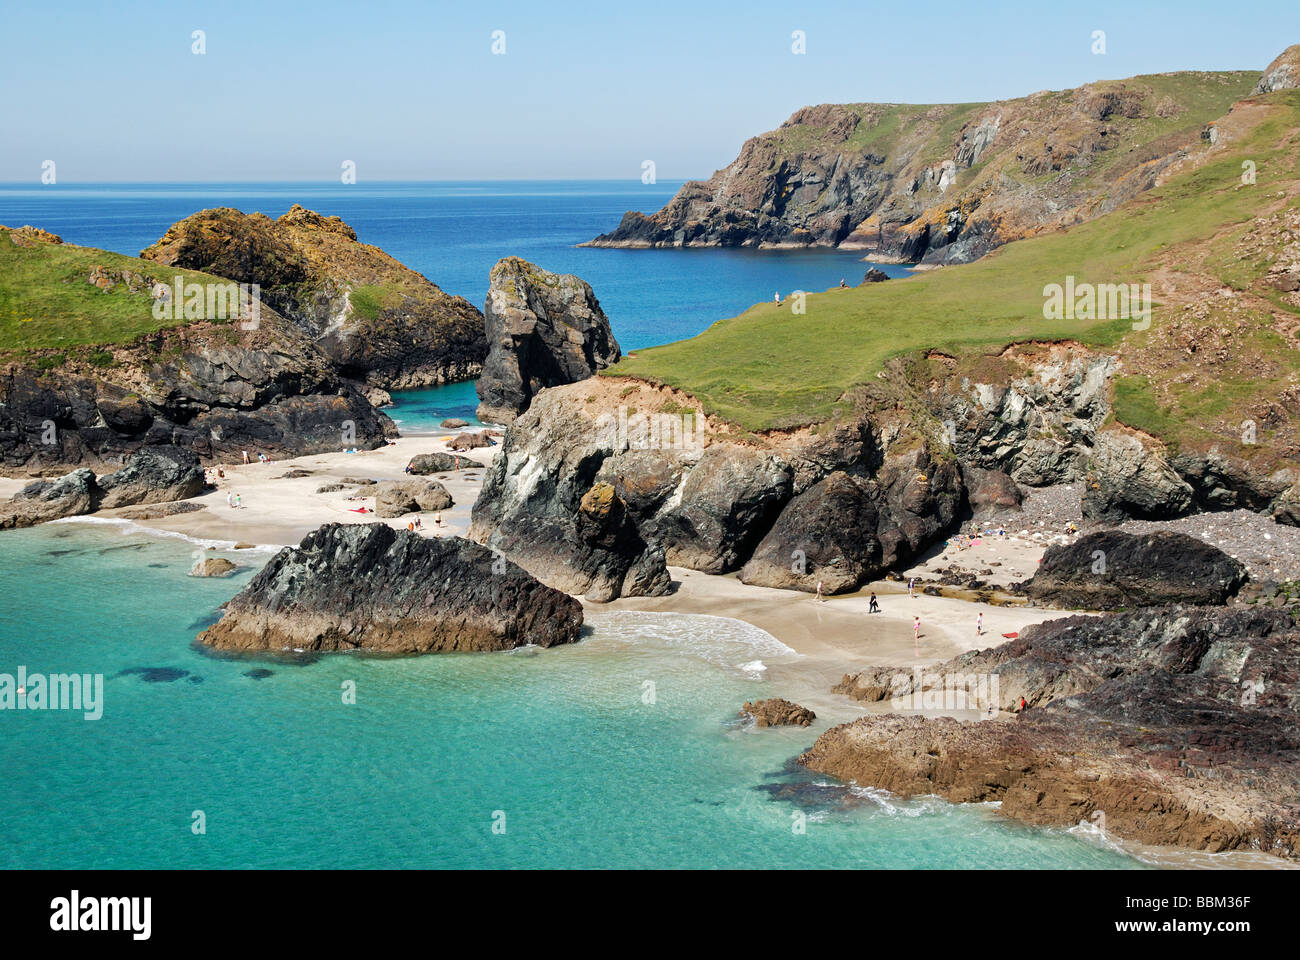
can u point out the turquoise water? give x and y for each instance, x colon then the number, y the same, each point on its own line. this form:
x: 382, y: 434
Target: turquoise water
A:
x: 416, y: 411
x: 586, y: 773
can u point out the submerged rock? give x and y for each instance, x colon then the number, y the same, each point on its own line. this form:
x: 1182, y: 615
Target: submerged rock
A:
x: 1108, y: 570
x: 369, y: 587
x: 543, y: 329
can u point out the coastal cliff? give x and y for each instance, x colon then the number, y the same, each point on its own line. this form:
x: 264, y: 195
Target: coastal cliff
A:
x: 376, y: 320
x: 92, y: 370
x: 943, y: 183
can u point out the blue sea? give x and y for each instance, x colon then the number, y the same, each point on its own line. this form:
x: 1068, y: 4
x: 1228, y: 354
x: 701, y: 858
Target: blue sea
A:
x: 623, y: 750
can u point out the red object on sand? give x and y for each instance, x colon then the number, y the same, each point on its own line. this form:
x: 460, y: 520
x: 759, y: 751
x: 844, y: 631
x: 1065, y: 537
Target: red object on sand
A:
x: 1011, y: 636
x: 357, y: 510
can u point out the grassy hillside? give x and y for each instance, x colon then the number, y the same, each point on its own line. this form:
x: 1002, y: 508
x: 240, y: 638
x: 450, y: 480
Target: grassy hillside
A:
x: 47, y: 299
x: 768, y: 368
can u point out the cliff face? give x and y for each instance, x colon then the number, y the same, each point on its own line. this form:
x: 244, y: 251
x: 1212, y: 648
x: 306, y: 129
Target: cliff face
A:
x: 375, y: 319
x: 211, y: 386
x: 543, y: 329
x: 943, y: 183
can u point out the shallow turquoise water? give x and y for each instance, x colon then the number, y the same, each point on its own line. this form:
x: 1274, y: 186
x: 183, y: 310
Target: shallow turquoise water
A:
x: 586, y: 773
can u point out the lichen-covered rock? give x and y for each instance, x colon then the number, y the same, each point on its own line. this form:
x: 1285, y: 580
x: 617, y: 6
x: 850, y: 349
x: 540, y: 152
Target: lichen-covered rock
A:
x: 376, y: 320
x: 369, y: 587
x: 1108, y: 570
x: 543, y: 329
x: 1283, y: 73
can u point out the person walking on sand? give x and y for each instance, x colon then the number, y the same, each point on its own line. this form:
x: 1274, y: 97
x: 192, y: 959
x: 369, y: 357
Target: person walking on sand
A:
x: 230, y: 500
x: 979, y: 624
x: 245, y: 456
x: 437, y: 519
x: 820, y: 598
x: 911, y: 588
x: 874, y: 607
x: 916, y: 628
x: 239, y: 501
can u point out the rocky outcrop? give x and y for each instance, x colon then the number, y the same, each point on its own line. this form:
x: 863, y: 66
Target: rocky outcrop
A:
x: 369, y: 587
x: 1287, y: 509
x: 543, y: 329
x: 396, y: 498
x: 44, y: 500
x: 844, y: 531
x: 543, y: 507
x: 375, y: 319
x: 153, y: 475
x: 213, y: 567
x: 729, y: 499
x: 470, y: 441
x: 778, y: 713
x: 1108, y: 570
x: 990, y: 493
x: 1283, y: 73
x: 1126, y: 479
x: 1164, y: 726
x: 938, y: 184
x: 437, y: 462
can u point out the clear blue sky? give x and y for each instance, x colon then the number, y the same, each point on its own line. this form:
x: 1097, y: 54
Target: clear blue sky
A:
x: 408, y: 90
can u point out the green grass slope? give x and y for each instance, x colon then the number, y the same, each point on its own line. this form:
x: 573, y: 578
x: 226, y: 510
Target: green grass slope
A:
x: 771, y: 369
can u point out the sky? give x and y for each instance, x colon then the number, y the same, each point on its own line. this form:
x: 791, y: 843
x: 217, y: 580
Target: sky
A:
x: 114, y: 91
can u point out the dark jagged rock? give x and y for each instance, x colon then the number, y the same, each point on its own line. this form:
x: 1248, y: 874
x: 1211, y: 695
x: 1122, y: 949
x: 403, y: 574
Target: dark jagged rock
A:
x: 542, y: 506
x: 438, y: 462
x: 778, y: 713
x: 153, y: 475
x: 729, y: 501
x: 875, y: 275
x: 376, y: 320
x: 369, y: 587
x: 1108, y: 570
x: 396, y: 498
x: 43, y: 500
x: 844, y: 531
x: 543, y: 329
x: 1175, y: 724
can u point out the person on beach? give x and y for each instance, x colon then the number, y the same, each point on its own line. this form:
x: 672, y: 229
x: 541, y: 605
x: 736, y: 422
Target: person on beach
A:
x: 820, y: 598
x: 437, y: 519
x: 230, y: 500
x: 979, y: 624
x: 239, y: 501
x: 875, y: 606
x: 911, y: 588
x: 916, y: 628
x: 1023, y: 706
x: 246, y: 456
